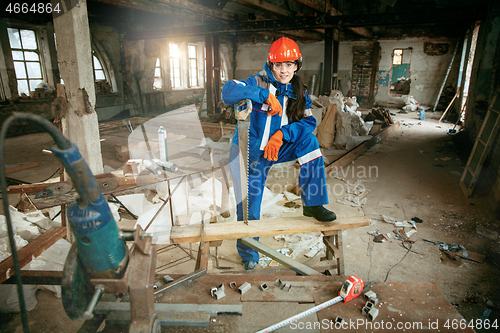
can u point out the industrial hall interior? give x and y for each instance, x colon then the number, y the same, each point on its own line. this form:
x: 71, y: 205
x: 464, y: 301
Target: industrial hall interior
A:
x: 249, y: 166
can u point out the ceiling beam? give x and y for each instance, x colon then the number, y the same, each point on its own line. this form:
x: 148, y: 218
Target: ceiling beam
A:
x: 415, y: 18
x: 264, y: 7
x: 310, y: 5
x: 184, y: 9
x: 327, y: 8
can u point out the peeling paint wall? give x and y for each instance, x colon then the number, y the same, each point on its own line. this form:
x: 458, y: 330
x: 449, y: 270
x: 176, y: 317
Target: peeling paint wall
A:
x: 426, y: 71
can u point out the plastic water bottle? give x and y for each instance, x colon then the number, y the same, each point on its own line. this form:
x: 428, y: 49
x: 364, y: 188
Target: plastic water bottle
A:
x: 152, y: 167
x: 421, y: 115
x: 162, y: 143
x: 168, y: 166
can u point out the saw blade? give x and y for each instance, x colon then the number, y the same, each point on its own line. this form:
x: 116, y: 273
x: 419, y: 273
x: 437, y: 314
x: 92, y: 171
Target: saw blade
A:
x: 243, y: 142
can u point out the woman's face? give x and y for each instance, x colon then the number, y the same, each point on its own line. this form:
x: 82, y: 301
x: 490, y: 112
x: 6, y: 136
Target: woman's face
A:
x: 284, y: 71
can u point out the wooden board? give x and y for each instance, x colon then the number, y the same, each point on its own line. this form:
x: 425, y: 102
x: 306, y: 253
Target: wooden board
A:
x: 31, y: 251
x: 347, y: 219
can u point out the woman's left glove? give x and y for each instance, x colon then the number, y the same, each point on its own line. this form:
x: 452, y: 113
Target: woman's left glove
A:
x: 273, y: 146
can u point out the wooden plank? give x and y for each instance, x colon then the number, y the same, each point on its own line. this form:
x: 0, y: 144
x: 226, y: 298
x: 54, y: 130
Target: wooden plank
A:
x: 203, y: 254
x: 352, y: 154
x: 31, y: 251
x: 22, y: 167
x: 294, y: 265
x: 267, y: 227
x: 27, y: 188
x: 331, y: 247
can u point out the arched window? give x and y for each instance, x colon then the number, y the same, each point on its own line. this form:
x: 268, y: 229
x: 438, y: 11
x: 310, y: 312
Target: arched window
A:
x: 26, y: 56
x: 104, y: 77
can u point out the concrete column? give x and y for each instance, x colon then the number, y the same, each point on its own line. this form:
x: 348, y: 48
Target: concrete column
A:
x: 8, y: 73
x: 74, y: 55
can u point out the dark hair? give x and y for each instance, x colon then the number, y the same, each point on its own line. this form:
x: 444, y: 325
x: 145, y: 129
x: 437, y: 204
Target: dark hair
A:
x: 296, y: 107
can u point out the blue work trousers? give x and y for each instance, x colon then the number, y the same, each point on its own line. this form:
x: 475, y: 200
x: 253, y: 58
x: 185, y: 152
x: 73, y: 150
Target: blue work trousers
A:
x: 312, y: 181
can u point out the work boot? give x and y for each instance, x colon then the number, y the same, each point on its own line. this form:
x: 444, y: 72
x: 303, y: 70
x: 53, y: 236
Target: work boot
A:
x: 248, y: 265
x: 320, y: 213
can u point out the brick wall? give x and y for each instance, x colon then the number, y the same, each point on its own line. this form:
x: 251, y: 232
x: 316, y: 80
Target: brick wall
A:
x: 361, y: 73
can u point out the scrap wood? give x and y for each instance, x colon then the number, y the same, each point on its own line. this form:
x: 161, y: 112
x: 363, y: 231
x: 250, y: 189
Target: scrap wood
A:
x: 31, y: 251
x: 21, y: 166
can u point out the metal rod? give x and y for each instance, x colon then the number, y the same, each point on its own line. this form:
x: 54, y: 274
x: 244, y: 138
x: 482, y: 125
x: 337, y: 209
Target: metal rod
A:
x: 181, y: 281
x: 89, y: 313
x: 123, y: 206
x: 164, y: 203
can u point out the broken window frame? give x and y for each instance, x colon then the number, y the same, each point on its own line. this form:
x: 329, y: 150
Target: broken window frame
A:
x: 31, y: 82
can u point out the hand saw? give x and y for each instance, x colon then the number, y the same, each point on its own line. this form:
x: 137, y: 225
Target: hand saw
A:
x: 242, y: 115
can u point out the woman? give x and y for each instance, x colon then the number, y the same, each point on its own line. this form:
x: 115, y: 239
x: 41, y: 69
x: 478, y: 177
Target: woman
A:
x: 281, y: 126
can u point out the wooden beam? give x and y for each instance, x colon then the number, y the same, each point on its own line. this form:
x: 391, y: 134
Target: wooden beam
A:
x: 347, y: 218
x: 202, y: 258
x: 294, y: 265
x: 415, y: 18
x: 263, y: 6
x: 31, y: 251
x: 352, y: 154
x: 310, y: 4
x: 185, y: 9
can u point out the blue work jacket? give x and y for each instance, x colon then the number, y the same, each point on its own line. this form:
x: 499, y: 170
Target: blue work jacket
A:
x: 257, y: 88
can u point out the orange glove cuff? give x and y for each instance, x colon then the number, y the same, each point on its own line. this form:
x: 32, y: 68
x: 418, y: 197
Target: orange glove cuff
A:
x: 273, y: 146
x: 274, y: 105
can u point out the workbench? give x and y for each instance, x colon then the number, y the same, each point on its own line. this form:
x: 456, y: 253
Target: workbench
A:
x: 413, y: 307
x: 347, y: 218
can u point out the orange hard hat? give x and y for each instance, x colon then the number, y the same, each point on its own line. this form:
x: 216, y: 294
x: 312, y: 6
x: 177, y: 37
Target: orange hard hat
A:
x: 284, y: 49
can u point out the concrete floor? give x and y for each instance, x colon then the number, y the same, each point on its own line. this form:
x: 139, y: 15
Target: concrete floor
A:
x: 416, y: 171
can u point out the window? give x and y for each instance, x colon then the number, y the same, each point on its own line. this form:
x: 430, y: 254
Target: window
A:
x: 27, y: 63
x: 103, y: 73
x: 397, y: 58
x: 193, y: 66
x: 175, y: 66
x: 98, y: 70
x: 157, y: 84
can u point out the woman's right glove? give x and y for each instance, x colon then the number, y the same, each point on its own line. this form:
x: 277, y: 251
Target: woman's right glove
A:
x: 274, y: 105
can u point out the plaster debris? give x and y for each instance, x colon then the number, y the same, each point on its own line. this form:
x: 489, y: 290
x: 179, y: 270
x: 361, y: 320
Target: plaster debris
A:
x: 404, y: 224
x: 299, y: 243
x: 411, y: 104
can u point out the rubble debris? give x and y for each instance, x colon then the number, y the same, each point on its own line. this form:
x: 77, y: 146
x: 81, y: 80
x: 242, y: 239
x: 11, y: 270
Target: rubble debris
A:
x: 299, y: 243
x: 411, y: 104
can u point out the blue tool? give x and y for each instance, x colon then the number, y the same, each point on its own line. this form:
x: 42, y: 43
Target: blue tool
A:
x: 101, y: 251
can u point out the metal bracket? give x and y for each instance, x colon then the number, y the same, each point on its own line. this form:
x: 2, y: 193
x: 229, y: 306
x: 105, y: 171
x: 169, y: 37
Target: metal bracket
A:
x: 263, y: 287
x: 283, y: 286
x: 244, y: 288
x: 217, y: 293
